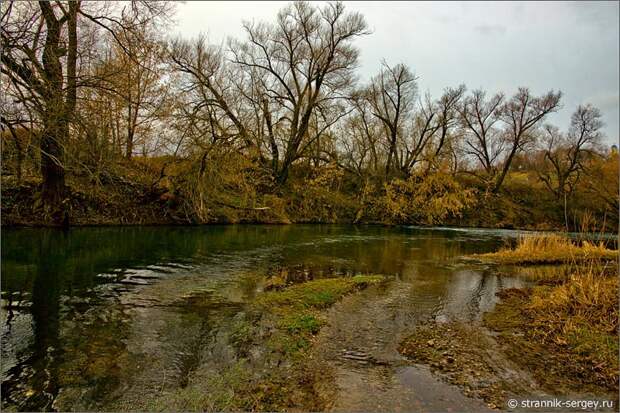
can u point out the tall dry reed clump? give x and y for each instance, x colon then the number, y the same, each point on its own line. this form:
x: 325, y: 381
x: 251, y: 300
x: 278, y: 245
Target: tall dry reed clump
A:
x: 582, y: 315
x: 585, y: 298
x: 543, y: 248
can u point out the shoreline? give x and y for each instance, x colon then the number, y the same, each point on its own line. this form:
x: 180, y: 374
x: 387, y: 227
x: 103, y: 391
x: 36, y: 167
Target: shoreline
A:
x: 595, y: 235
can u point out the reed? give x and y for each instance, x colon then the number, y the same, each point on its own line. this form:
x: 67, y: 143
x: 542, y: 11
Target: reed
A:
x: 541, y: 248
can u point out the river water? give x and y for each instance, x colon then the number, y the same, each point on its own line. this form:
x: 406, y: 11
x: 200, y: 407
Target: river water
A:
x: 101, y: 318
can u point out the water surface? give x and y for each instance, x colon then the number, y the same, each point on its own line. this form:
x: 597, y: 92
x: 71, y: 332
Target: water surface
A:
x: 100, y: 317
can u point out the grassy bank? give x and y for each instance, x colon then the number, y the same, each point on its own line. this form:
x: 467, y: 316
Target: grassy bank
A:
x: 566, y: 335
x: 230, y: 189
x: 565, y: 328
x: 271, y: 369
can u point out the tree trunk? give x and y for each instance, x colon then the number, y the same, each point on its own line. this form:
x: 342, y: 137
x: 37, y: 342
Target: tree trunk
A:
x: 275, y: 153
x: 505, y: 169
x: 282, y: 176
x: 53, y: 189
x: 391, y: 151
x: 55, y: 118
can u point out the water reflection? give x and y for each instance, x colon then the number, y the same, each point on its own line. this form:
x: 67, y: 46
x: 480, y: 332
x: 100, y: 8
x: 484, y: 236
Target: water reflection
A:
x: 98, y: 312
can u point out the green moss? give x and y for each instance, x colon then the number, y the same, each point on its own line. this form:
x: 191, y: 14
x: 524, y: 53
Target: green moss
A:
x: 295, y: 310
x: 316, y: 293
x: 367, y: 279
x: 289, y: 344
x: 241, y: 334
x: 304, y: 323
x: 225, y: 391
x: 294, y: 333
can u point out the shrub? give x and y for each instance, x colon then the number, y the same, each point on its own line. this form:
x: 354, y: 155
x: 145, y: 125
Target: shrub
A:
x: 428, y: 199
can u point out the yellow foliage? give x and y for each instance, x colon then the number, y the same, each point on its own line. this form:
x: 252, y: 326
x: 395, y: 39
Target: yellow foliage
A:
x: 319, y: 199
x: 428, y: 199
x: 329, y: 176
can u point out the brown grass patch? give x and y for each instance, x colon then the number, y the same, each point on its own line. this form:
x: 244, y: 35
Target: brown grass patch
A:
x: 573, y: 327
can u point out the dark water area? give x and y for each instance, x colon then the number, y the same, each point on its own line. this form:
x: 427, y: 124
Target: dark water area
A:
x: 92, y: 316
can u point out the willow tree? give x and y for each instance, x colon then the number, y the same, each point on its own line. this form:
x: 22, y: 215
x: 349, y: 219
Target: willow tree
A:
x: 566, y: 154
x: 305, y: 62
x: 391, y: 95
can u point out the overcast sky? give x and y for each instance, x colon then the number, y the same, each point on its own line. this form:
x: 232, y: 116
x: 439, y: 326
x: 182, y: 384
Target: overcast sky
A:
x: 570, y: 46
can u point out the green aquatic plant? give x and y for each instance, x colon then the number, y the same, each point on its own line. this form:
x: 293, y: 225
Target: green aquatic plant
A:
x: 304, y: 323
x: 319, y: 293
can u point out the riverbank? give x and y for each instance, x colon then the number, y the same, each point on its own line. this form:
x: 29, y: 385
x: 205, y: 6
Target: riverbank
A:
x: 556, y: 338
x: 565, y: 335
x: 159, y: 192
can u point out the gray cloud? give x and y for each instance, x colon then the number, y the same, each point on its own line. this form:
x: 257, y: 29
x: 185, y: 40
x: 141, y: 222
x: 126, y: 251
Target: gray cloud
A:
x: 605, y: 101
x: 490, y: 29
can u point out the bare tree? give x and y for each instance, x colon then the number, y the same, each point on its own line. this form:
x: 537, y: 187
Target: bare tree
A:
x: 564, y: 154
x: 447, y: 107
x: 521, y: 114
x: 418, y: 136
x: 306, y: 60
x: 482, y: 138
x: 361, y: 139
x: 391, y: 95
x: 213, y: 105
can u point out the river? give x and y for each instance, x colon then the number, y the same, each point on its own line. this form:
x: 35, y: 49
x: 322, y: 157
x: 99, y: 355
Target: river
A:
x: 101, y: 318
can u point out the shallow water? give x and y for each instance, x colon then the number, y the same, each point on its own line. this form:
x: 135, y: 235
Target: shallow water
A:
x: 98, y: 318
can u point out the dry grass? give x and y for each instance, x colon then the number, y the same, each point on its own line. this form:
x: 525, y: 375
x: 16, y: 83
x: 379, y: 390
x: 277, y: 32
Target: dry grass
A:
x: 583, y: 295
x: 581, y: 315
x: 585, y: 299
x: 570, y: 318
x: 575, y: 320
x: 550, y: 249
